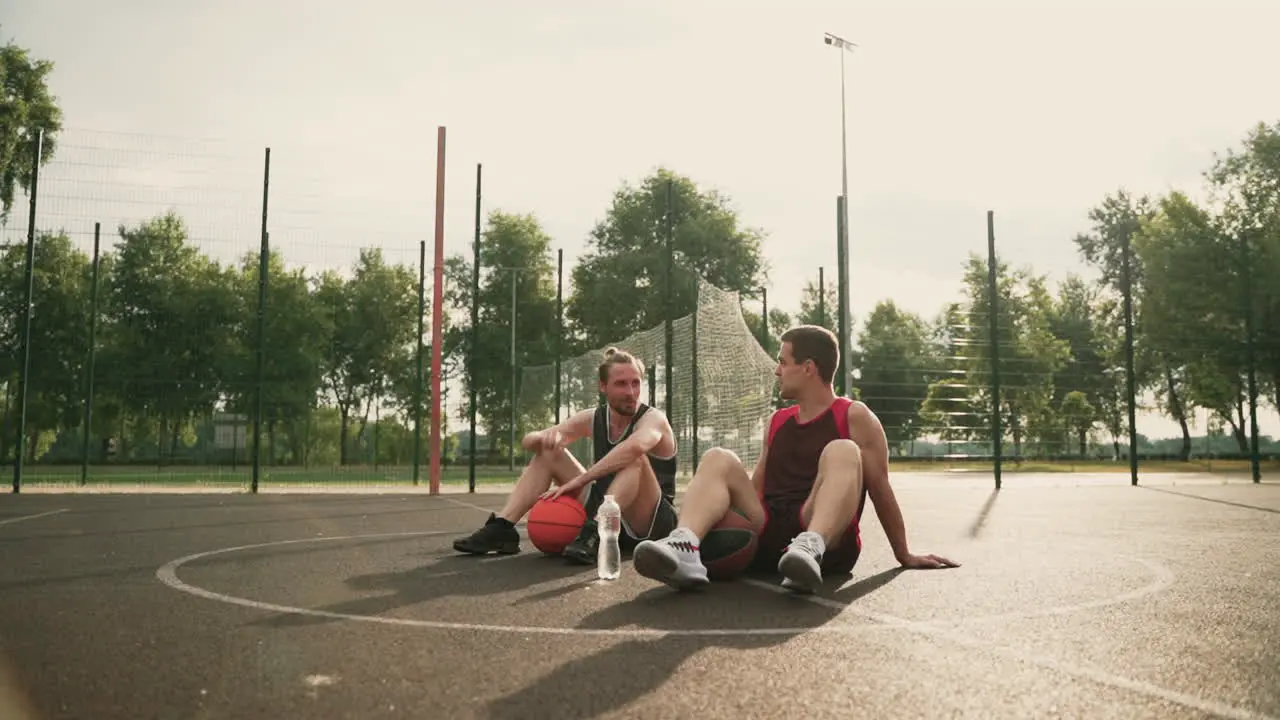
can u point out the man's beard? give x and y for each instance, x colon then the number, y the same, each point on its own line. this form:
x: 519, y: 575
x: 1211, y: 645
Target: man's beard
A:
x: 627, y: 412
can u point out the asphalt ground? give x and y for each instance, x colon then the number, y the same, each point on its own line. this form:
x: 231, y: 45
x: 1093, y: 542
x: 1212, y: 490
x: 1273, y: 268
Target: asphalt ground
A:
x: 1078, y: 596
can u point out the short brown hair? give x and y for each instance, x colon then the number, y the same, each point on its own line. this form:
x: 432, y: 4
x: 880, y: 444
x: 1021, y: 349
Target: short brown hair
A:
x: 614, y: 356
x: 816, y: 343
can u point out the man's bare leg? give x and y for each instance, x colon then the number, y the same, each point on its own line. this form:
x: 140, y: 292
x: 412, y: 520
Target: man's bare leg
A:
x: 546, y: 467
x: 499, y: 534
x: 827, y: 514
x: 636, y: 490
x: 720, y: 483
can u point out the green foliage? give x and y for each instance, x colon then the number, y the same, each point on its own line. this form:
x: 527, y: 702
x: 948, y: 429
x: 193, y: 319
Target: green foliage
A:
x: 1078, y: 416
x: 1245, y: 185
x: 779, y: 321
x: 896, y: 365
x: 26, y: 108
x: 177, y: 347
x: 619, y: 284
x: 819, y: 308
x: 515, y: 255
x: 372, y: 345
x: 59, y: 332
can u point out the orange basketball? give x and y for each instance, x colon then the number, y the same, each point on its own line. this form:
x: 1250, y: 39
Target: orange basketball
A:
x: 553, y: 524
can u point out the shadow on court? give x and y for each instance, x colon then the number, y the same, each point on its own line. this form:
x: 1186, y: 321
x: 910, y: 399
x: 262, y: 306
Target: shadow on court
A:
x: 446, y: 576
x: 1220, y: 501
x: 271, y: 519
x: 146, y: 573
x: 605, y: 681
x: 980, y: 522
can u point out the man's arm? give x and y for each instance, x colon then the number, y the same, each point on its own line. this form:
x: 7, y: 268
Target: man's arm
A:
x: 866, y: 427
x: 644, y: 437
x: 757, y: 475
x: 575, y: 426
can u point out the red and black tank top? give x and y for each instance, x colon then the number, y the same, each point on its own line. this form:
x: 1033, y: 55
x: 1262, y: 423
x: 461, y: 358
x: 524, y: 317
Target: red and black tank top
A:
x: 794, y: 448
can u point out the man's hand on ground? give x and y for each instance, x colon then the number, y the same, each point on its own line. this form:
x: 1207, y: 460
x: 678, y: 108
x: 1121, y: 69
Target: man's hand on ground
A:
x: 927, y: 562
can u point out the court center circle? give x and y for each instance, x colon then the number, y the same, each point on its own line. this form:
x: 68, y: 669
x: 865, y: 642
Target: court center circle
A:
x: 168, y: 575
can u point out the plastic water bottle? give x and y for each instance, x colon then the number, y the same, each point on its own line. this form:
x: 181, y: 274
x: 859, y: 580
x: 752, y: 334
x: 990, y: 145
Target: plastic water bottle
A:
x: 609, y: 524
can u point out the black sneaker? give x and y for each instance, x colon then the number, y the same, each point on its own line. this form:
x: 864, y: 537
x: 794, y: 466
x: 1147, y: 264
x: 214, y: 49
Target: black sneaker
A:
x: 497, y: 535
x: 584, y: 548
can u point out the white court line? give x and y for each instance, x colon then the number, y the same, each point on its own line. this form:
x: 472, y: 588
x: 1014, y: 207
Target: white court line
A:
x: 1099, y: 676
x: 168, y: 574
x: 1164, y: 578
x: 465, y: 504
x: 32, y: 517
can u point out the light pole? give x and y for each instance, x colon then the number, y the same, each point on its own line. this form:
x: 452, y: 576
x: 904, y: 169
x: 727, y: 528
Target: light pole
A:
x: 515, y: 276
x: 842, y: 247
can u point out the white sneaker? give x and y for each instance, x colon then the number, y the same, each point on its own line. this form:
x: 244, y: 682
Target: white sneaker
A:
x: 801, y: 564
x: 673, y: 560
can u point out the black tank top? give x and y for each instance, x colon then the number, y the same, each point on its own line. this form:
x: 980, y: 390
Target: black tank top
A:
x: 664, y: 468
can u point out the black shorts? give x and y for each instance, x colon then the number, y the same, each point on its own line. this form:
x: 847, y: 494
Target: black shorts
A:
x: 664, y: 521
x: 782, y: 523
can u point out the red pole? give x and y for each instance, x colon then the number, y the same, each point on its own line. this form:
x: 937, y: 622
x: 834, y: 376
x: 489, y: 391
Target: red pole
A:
x: 437, y: 292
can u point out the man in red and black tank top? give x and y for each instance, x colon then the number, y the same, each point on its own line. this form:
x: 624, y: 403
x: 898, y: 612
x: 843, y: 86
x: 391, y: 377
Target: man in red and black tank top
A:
x: 796, y: 447
x: 821, y: 459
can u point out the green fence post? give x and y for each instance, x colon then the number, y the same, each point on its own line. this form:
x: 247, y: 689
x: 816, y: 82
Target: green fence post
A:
x: 264, y: 260
x: 1126, y: 288
x: 993, y: 312
x: 417, y: 387
x: 89, y: 365
x: 24, y: 372
x: 842, y: 301
x: 669, y: 304
x: 1255, y: 460
x: 475, y: 338
x: 560, y: 324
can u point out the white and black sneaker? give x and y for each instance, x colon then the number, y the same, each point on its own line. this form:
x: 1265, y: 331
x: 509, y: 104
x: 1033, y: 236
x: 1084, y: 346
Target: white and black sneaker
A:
x: 673, y: 560
x: 801, y: 563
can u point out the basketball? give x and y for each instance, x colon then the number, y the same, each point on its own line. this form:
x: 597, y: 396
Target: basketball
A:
x: 729, y: 546
x: 553, y: 524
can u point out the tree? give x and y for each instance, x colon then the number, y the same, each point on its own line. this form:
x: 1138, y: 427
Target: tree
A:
x: 171, y: 318
x: 1245, y: 186
x: 779, y: 321
x: 620, y: 282
x: 1030, y: 354
x: 26, y: 107
x: 1078, y: 417
x: 896, y: 367
x: 59, y: 334
x: 296, y: 332
x: 952, y: 408
x: 1188, y: 319
x: 513, y: 249
x: 1116, y: 220
x: 1078, y: 317
x: 373, y: 316
x: 1110, y: 398
x: 819, y: 308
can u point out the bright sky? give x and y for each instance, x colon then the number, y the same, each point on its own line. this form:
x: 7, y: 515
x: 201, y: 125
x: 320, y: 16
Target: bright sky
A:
x: 1032, y: 109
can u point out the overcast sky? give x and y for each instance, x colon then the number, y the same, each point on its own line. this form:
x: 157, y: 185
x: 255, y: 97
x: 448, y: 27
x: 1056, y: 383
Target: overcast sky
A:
x: 1032, y: 109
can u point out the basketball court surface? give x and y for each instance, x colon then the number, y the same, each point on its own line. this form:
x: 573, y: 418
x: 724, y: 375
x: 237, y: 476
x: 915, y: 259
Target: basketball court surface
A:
x: 1078, y: 596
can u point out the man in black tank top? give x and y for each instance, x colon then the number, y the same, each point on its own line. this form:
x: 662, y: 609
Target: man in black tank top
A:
x: 663, y: 467
x: 633, y: 459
